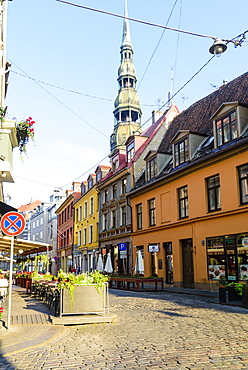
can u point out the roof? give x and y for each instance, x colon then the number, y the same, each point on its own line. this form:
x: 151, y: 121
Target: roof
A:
x: 29, y: 206
x: 197, y: 117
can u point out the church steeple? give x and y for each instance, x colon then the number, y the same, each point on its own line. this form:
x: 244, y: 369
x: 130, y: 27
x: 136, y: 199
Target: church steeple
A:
x: 127, y: 112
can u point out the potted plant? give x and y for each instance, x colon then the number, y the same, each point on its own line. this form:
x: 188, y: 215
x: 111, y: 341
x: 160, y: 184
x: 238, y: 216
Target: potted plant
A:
x: 84, y: 293
x: 234, y: 291
x: 245, y: 295
x: 25, y: 131
x: 222, y: 282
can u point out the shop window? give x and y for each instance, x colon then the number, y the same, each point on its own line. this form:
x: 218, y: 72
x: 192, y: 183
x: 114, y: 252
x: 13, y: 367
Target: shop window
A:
x: 139, y: 216
x: 181, y: 152
x: 183, y: 202
x: 242, y: 247
x: 216, y: 258
x: 226, y: 128
x: 243, y: 183
x: 152, y: 212
x: 213, y: 189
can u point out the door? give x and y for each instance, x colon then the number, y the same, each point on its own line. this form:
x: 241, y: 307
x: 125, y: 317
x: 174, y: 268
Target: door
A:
x: 168, y: 262
x: 188, y: 266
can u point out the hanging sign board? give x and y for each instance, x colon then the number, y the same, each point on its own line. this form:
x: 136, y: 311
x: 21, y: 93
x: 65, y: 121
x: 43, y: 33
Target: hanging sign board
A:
x: 153, y: 248
x: 12, y: 223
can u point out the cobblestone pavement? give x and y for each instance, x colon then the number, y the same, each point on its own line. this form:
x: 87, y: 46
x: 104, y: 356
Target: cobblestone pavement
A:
x: 154, y: 331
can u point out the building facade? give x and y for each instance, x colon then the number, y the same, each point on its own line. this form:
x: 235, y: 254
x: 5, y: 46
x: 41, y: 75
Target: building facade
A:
x: 65, y: 226
x: 190, y: 221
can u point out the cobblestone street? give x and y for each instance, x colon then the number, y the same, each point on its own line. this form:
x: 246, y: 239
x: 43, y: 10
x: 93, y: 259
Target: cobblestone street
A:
x: 154, y: 331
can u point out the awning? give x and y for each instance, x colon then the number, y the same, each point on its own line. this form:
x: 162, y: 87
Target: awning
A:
x: 5, y: 208
x: 21, y: 244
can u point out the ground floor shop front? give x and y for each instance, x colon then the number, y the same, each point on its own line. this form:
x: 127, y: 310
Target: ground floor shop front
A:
x: 196, y: 253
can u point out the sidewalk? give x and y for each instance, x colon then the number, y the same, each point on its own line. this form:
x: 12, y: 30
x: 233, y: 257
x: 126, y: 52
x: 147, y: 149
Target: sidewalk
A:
x: 30, y: 323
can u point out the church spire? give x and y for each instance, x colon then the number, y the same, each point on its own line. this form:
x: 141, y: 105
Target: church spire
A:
x: 127, y: 112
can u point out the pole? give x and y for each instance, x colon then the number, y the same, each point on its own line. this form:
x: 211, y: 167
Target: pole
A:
x: 10, y: 280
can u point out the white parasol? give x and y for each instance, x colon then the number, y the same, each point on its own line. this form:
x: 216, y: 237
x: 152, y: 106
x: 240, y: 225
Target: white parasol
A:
x: 108, y: 266
x: 139, y: 264
x: 99, y: 266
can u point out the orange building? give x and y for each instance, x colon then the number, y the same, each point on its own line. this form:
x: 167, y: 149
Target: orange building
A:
x: 190, y: 220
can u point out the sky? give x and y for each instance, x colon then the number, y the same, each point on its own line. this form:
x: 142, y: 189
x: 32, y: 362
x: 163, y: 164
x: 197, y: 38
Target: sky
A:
x: 64, y: 75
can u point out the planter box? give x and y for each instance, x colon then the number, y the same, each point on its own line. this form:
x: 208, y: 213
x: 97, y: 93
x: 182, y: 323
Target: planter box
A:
x: 245, y: 298
x: 232, y: 294
x: 222, y: 294
x: 88, y: 299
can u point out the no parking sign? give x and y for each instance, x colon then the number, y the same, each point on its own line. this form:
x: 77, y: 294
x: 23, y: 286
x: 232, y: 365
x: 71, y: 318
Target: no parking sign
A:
x: 13, y: 223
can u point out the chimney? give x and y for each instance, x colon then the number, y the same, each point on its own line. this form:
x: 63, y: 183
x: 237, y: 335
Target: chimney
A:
x: 156, y: 114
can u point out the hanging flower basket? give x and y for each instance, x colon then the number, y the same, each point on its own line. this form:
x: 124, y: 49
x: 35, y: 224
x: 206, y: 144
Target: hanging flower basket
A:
x: 25, y: 131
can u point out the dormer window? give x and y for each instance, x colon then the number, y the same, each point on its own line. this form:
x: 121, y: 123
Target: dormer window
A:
x: 226, y: 128
x: 151, y: 168
x: 130, y: 152
x: 181, y: 152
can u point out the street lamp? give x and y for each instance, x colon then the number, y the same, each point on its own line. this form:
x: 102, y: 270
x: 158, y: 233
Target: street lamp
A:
x: 218, y: 47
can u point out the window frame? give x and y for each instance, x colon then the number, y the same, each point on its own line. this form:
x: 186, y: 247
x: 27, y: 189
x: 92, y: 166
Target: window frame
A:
x: 213, y: 193
x: 152, y: 212
x: 151, y: 168
x: 243, y: 180
x: 181, y: 151
x: 183, y: 202
x: 139, y: 213
x: 223, y: 128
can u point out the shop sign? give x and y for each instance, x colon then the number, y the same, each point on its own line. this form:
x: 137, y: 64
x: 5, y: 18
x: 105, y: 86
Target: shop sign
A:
x: 245, y: 242
x: 153, y: 248
x: 123, y: 254
x: 122, y: 246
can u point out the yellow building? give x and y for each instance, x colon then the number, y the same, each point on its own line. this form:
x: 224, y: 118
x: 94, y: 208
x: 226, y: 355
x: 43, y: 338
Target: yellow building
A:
x: 86, y: 226
x: 190, y: 218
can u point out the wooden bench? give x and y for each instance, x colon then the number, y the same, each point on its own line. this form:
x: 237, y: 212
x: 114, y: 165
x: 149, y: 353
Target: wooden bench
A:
x: 138, y: 283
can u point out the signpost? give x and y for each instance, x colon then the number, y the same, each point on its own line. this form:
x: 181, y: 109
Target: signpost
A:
x: 12, y: 224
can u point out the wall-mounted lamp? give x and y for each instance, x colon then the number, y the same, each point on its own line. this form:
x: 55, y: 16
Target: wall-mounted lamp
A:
x: 218, y: 47
x: 20, y: 251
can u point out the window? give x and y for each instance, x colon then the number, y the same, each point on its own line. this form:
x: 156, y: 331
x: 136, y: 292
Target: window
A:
x: 91, y: 234
x: 41, y: 221
x: 37, y: 223
x: 98, y: 176
x: 123, y: 186
x: 183, y: 202
x: 123, y: 215
x: 130, y: 152
x: 33, y: 237
x: 41, y: 234
x: 181, y: 152
x: 243, y: 183
x: 151, y: 168
x: 85, y: 236
x: 226, y: 128
x: 139, y: 216
x: 85, y: 209
x: 105, y: 195
x: 113, y: 216
x: 105, y: 221
x: 91, y: 205
x: 152, y: 216
x: 80, y: 238
x: 213, y: 188
x: 34, y: 225
x: 80, y: 213
x: 114, y: 190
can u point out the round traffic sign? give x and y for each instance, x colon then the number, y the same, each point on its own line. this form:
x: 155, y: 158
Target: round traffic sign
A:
x: 12, y: 223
